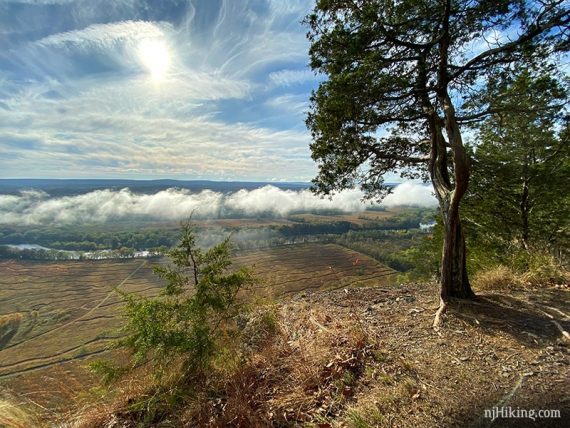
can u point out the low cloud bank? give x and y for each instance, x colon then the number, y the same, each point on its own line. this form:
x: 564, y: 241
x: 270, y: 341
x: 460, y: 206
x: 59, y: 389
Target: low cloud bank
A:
x: 36, y: 207
x: 412, y: 194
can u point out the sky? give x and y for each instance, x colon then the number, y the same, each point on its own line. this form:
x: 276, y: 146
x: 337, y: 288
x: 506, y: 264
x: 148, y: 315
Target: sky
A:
x: 186, y: 89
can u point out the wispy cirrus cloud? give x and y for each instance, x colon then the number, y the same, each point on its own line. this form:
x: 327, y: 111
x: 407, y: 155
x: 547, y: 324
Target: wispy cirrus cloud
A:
x: 77, y: 98
x: 105, y: 36
x: 291, y: 77
x: 295, y: 103
x: 158, y: 145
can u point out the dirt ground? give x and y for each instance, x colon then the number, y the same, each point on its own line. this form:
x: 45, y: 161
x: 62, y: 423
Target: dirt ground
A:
x: 368, y: 357
x: 504, y: 350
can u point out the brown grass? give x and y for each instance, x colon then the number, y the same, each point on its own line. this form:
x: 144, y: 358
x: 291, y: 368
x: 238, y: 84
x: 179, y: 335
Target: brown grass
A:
x: 362, y: 359
x: 9, y: 325
x: 327, y: 358
x: 541, y: 271
x: 61, y: 321
x: 296, y: 365
x: 19, y: 413
x: 65, y: 308
x: 293, y: 268
x: 498, y: 278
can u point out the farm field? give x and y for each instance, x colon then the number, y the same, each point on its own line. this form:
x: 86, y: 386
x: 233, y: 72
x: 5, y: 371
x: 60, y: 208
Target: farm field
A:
x: 294, y: 268
x: 55, y: 315
x: 54, y: 311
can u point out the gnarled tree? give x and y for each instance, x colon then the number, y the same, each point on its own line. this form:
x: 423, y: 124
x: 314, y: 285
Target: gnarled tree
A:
x: 399, y: 78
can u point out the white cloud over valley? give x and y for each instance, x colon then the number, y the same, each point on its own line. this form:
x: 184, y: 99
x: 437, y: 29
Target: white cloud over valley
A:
x: 35, y: 207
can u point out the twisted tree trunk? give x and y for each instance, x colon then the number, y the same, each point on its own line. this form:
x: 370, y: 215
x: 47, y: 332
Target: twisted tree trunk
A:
x: 454, y: 280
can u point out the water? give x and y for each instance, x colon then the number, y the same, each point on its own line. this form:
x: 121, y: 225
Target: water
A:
x: 28, y: 247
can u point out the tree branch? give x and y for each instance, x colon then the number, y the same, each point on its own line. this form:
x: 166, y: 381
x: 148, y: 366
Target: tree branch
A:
x: 561, y: 19
x: 396, y: 157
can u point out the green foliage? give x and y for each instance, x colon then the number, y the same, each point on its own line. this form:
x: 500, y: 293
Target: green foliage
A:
x: 124, y: 239
x: 138, y: 236
x: 414, y: 253
x: 518, y: 202
x: 425, y: 257
x: 370, y: 417
x: 395, y: 66
x: 401, y: 84
x: 107, y: 371
x: 186, y: 320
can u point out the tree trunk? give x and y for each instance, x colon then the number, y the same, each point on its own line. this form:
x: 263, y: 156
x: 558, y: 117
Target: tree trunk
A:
x: 454, y: 280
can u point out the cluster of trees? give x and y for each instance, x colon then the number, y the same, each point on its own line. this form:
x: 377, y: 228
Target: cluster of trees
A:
x: 389, y: 247
x: 405, y: 80
x: 74, y: 238
x: 518, y: 200
x: 123, y: 242
x: 409, y: 219
x: 515, y: 212
x: 8, y: 252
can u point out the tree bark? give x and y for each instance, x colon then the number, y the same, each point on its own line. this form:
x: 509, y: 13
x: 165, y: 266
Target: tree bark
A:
x: 454, y: 279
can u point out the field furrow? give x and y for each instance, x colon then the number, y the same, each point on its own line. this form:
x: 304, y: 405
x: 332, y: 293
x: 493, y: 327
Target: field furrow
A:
x: 60, y: 312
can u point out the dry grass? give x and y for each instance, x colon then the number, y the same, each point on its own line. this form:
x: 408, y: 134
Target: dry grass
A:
x: 124, y: 402
x: 293, y: 268
x: 545, y: 270
x: 540, y: 271
x: 498, y: 278
x: 367, y: 358
x: 70, y: 307
x: 65, y: 309
x: 333, y: 359
x: 295, y: 365
x: 68, y: 310
x: 18, y: 413
x: 9, y: 325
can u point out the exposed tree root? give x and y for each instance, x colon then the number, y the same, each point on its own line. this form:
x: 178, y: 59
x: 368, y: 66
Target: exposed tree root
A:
x: 565, y: 334
x: 559, y: 327
x: 438, y: 320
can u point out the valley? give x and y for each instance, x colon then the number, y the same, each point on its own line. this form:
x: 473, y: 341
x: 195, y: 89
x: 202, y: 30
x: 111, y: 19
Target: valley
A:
x: 54, y: 316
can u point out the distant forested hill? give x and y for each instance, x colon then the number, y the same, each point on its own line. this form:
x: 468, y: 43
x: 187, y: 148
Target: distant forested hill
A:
x: 65, y: 187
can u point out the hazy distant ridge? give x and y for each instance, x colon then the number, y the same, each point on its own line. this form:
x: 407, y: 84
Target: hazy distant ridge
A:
x: 63, y: 187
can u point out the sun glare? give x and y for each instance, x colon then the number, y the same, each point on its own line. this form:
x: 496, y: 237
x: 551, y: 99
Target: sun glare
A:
x: 155, y: 57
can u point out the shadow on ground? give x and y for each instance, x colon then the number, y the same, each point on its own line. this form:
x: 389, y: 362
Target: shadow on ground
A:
x: 527, y: 322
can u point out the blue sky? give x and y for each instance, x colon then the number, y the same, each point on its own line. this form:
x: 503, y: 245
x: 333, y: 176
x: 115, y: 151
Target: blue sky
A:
x: 204, y: 89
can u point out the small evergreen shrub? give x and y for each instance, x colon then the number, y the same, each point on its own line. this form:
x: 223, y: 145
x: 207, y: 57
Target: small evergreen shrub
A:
x: 185, y: 322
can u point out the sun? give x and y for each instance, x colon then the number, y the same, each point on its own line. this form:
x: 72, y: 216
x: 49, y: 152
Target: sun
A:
x: 155, y: 56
